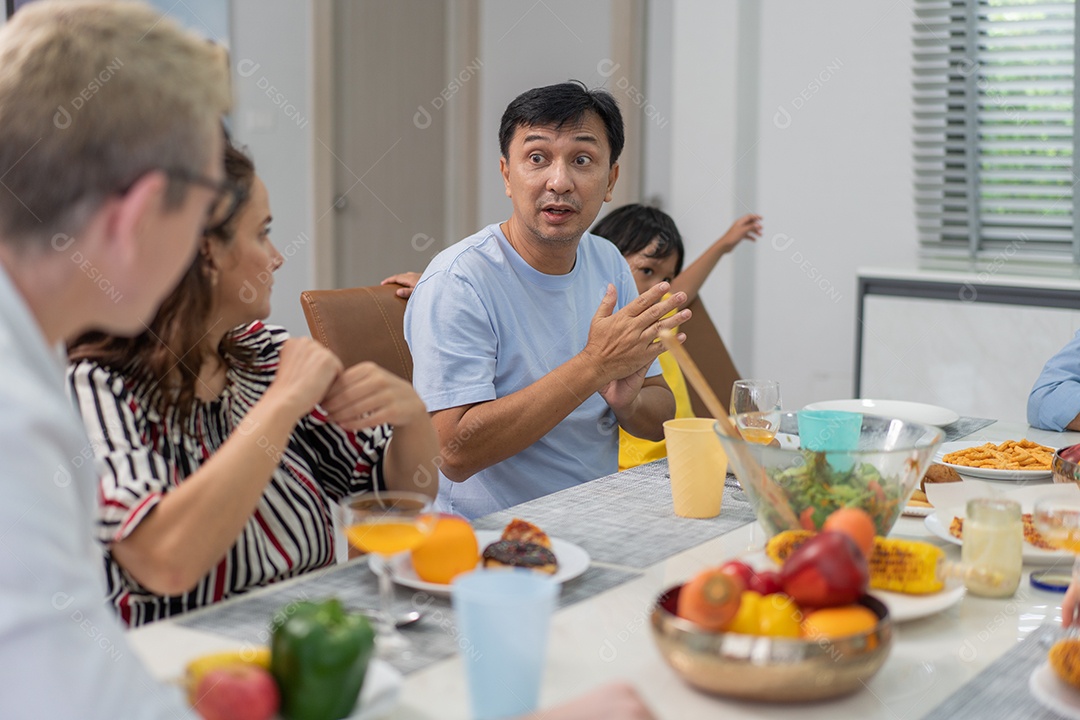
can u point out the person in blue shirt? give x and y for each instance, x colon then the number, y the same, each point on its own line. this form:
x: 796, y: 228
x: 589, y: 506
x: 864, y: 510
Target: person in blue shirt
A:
x: 1054, y: 402
x: 530, y: 343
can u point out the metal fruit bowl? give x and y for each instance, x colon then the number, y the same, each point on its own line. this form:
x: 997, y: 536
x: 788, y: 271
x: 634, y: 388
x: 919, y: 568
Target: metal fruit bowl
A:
x: 1065, y: 465
x: 800, y: 488
x: 752, y: 667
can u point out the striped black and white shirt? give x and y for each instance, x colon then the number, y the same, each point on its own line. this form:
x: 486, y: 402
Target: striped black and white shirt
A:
x: 141, y: 456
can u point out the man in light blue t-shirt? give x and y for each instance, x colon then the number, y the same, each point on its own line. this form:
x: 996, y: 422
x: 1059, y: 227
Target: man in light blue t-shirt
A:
x: 1054, y: 402
x: 530, y: 344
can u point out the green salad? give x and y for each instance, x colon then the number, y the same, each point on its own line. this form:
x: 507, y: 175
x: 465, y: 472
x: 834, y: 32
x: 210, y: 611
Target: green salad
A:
x: 815, y: 489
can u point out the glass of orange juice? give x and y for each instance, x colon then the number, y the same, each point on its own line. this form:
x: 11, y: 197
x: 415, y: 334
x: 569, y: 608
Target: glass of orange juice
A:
x: 755, y: 409
x: 386, y: 523
x: 1058, y: 520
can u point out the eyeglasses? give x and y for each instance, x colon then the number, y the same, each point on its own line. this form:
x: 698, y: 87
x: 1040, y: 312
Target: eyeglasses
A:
x: 228, y: 195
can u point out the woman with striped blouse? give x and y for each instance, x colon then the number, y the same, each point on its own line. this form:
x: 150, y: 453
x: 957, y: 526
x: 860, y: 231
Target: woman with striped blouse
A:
x: 221, y: 444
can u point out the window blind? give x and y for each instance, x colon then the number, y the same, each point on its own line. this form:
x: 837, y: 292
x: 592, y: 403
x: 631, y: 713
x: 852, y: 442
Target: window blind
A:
x: 994, y: 82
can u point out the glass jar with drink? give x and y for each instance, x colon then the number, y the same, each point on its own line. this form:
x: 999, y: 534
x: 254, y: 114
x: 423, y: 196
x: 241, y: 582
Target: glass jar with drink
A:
x: 993, y: 547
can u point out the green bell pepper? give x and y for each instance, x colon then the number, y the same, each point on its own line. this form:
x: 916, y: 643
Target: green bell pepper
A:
x: 319, y: 654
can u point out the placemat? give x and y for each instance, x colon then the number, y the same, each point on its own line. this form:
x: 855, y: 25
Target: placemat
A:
x: 964, y: 427
x: 1001, y: 690
x: 434, y: 637
x: 626, y: 518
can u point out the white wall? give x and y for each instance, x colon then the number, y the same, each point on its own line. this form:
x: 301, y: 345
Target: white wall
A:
x: 834, y: 179
x: 272, y: 71
x: 702, y: 144
x: 526, y: 44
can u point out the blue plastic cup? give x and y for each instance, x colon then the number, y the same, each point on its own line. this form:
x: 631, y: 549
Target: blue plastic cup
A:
x: 832, y: 431
x: 503, y: 618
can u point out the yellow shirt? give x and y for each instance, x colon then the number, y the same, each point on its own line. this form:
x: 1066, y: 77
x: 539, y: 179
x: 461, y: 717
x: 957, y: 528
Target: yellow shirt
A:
x: 634, y: 451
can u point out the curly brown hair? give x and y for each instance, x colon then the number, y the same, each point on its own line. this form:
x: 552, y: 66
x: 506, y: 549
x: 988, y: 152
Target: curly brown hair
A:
x: 170, y: 353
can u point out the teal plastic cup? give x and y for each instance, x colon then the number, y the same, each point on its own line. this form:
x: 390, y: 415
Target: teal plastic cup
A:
x: 503, y: 618
x: 833, y: 432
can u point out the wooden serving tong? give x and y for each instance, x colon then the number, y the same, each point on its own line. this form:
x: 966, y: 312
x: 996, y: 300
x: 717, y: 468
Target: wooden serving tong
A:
x: 748, y: 468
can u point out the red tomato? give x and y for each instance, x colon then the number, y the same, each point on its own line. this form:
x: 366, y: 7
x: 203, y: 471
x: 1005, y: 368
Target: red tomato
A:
x: 739, y: 569
x: 767, y: 582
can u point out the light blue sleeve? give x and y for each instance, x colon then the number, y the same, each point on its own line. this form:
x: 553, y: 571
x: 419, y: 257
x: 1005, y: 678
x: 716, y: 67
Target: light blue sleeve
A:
x: 452, y: 341
x: 1055, y: 399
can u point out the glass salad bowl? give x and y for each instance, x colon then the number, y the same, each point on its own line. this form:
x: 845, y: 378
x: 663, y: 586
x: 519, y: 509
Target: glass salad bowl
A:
x: 875, y: 468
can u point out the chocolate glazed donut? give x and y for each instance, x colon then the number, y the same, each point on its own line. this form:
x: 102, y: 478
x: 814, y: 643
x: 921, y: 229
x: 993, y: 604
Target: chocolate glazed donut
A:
x: 514, y: 553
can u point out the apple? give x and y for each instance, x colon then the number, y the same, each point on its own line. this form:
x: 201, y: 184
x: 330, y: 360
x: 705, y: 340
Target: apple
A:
x: 237, y: 692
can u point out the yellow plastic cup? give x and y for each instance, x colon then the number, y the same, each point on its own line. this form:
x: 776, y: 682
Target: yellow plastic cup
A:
x: 697, y: 465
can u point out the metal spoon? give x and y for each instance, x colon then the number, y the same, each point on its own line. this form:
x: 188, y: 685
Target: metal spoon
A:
x: 401, y: 620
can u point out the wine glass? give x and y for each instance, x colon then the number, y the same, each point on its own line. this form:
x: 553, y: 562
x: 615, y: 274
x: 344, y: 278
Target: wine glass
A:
x: 755, y: 409
x: 387, y: 523
x: 1058, y: 520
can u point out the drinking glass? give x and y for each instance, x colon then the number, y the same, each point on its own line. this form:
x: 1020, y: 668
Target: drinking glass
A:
x: 993, y: 547
x: 1058, y: 520
x: 385, y: 524
x: 755, y: 409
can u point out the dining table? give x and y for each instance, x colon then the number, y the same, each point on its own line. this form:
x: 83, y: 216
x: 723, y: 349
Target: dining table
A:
x: 972, y: 658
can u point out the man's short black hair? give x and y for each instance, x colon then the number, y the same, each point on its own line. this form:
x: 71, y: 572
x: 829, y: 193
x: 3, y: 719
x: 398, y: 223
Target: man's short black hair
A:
x: 561, y: 104
x: 632, y: 228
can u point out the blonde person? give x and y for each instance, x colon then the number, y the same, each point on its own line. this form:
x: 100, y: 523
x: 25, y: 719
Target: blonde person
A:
x: 649, y: 240
x: 100, y: 211
x: 651, y: 243
x: 222, y: 444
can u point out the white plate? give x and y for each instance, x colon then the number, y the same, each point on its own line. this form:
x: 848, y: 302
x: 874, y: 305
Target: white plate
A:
x: 987, y: 473
x: 903, y: 608
x: 913, y: 411
x: 573, y: 561
x: 381, y: 692
x: 1051, y: 692
x: 1032, y: 555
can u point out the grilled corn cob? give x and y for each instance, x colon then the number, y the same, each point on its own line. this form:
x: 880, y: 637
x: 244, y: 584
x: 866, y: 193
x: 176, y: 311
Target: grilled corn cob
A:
x: 904, y: 566
x: 200, y: 666
x: 784, y: 543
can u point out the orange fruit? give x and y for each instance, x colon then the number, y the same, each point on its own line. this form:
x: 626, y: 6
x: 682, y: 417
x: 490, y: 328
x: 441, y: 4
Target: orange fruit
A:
x: 838, y: 622
x: 856, y: 523
x: 450, y: 549
x: 711, y: 599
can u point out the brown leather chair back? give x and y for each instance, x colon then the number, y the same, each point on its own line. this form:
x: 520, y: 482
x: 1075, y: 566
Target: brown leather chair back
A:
x: 708, y: 352
x: 362, y: 323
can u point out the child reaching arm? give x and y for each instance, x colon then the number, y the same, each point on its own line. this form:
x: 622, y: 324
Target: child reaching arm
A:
x: 653, y: 247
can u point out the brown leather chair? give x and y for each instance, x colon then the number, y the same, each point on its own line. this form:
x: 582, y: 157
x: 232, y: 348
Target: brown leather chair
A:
x: 708, y: 352
x: 362, y: 323
x: 366, y: 323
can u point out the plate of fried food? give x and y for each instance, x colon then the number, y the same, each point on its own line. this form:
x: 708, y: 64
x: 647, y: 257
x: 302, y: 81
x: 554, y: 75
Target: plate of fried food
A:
x: 1056, y: 683
x: 520, y: 544
x: 947, y: 522
x: 1009, y: 460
